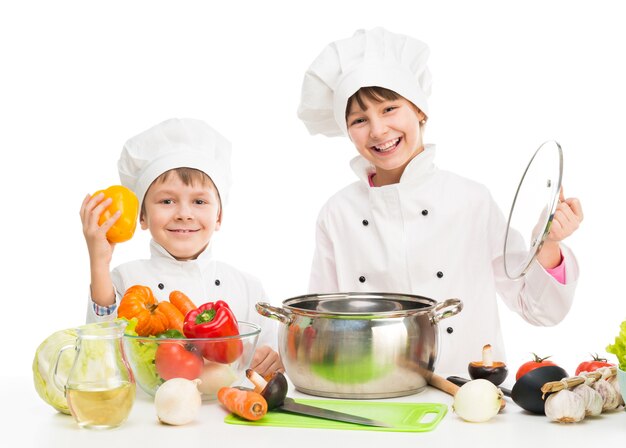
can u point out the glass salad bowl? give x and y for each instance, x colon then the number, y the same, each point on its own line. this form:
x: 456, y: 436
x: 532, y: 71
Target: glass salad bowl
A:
x: 217, y: 362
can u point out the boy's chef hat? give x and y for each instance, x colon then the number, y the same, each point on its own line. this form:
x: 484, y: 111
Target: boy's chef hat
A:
x: 175, y: 143
x: 369, y: 58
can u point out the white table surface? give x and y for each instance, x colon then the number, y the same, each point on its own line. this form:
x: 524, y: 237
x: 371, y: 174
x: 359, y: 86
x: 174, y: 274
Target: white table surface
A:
x: 30, y: 422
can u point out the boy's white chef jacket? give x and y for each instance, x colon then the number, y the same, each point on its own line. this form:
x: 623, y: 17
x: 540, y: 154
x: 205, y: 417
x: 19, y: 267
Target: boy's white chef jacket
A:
x: 437, y: 235
x: 202, y: 280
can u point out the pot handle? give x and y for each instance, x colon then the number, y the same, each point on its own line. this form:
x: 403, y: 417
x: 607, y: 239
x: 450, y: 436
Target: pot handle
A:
x: 267, y: 310
x: 445, y: 309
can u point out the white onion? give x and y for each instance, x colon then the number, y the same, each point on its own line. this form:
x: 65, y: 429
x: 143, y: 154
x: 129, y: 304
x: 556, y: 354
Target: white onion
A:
x: 177, y: 401
x: 477, y: 401
x: 214, y: 376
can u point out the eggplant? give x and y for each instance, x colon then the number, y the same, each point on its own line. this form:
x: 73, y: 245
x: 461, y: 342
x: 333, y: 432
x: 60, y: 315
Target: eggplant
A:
x: 526, y: 391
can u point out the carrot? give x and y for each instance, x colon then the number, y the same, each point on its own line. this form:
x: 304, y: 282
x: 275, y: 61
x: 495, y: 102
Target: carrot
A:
x: 182, y: 302
x: 174, y: 316
x: 245, y: 403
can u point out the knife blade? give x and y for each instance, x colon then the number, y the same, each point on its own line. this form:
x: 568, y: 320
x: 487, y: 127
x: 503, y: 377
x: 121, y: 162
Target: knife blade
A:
x: 290, y: 405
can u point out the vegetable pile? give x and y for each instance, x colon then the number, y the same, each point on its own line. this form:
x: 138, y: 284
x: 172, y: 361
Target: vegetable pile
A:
x: 171, y: 348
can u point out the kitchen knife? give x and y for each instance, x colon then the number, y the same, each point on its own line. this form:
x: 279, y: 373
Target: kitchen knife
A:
x: 290, y: 405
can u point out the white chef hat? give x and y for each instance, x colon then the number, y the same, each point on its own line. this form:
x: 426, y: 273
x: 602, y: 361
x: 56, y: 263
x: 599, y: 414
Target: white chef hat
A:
x: 175, y: 143
x: 369, y: 58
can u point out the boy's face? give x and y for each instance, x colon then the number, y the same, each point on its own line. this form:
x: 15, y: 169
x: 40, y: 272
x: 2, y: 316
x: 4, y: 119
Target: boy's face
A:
x: 181, y: 218
x: 388, y: 134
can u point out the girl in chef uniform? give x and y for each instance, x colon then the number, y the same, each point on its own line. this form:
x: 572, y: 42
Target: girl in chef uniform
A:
x: 180, y: 172
x: 407, y: 227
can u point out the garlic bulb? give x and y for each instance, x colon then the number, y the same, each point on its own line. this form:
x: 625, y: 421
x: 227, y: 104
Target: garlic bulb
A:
x: 565, y: 407
x: 613, y: 381
x: 592, y: 399
x: 177, y: 401
x: 608, y: 393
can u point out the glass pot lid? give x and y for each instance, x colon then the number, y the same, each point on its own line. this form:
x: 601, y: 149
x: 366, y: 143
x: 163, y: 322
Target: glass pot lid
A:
x: 533, y: 209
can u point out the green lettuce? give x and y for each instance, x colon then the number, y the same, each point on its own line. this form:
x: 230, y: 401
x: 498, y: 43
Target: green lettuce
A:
x: 141, y: 355
x: 619, y: 347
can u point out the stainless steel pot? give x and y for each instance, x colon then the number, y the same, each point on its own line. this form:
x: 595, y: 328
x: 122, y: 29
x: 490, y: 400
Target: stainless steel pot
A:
x: 359, y: 345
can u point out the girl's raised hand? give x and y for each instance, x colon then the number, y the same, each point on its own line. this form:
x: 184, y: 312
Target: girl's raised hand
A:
x: 567, y: 218
x: 100, y: 249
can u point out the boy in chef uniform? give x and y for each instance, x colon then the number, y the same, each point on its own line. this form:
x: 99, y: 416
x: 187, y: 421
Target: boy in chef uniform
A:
x: 407, y: 227
x: 180, y: 172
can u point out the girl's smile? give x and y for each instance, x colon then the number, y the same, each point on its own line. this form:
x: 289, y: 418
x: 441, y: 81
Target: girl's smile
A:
x: 387, y: 147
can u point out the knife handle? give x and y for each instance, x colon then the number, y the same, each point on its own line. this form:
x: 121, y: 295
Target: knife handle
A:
x: 460, y: 381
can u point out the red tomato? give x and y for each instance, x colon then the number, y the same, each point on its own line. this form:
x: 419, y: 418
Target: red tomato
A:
x: 594, y: 364
x: 532, y: 365
x: 174, y: 360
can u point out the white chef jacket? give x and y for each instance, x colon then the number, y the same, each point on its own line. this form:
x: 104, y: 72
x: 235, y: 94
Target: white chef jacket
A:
x: 438, y: 235
x: 202, y: 280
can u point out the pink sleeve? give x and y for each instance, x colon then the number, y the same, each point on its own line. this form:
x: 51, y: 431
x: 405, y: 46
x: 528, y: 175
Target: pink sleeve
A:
x: 558, y: 272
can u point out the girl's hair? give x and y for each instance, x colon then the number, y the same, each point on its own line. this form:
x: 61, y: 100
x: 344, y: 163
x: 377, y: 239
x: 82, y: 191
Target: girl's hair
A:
x: 376, y: 94
x: 188, y: 176
x: 372, y: 93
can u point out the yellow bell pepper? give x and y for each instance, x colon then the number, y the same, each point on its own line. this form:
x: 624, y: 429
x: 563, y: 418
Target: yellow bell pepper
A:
x: 125, y: 201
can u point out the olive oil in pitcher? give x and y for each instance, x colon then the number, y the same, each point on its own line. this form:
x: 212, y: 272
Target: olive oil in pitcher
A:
x: 105, y: 408
x: 100, y: 388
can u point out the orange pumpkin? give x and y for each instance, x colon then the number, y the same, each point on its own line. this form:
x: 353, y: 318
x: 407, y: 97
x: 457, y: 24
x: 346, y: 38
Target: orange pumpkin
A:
x: 138, y: 301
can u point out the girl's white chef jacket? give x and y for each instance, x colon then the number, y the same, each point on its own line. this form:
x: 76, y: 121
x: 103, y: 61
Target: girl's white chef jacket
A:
x: 202, y: 280
x: 437, y: 235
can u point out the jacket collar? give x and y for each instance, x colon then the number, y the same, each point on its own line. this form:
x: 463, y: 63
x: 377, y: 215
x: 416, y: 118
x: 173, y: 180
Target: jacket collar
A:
x: 158, y: 252
x: 418, y: 169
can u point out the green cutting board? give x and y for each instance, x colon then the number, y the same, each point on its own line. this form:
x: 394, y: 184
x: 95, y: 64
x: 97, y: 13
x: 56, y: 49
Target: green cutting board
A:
x: 403, y: 417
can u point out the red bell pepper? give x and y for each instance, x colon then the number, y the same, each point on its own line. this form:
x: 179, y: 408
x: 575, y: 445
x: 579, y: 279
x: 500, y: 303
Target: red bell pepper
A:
x: 215, y: 320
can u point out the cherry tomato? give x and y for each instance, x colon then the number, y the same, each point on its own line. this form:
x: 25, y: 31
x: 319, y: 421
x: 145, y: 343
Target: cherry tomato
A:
x: 175, y: 360
x: 594, y: 364
x: 532, y: 365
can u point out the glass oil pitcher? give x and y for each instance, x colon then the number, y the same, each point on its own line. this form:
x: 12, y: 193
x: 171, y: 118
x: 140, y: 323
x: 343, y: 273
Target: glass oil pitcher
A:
x: 100, y: 388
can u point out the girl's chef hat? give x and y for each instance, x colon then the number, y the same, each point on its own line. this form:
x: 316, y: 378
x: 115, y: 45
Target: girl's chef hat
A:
x: 175, y: 143
x: 369, y: 58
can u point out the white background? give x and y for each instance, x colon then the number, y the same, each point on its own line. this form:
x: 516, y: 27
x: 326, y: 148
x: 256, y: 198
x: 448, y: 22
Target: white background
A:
x: 79, y: 78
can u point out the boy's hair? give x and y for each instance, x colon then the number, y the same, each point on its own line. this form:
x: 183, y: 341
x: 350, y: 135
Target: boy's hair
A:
x: 188, y: 176
x: 372, y: 93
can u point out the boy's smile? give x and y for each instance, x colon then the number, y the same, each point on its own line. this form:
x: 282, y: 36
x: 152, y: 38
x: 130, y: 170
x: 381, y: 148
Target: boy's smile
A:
x: 181, y: 218
x: 388, y: 134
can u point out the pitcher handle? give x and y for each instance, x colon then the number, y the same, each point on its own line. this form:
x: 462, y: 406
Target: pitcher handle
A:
x: 445, y: 309
x: 55, y: 368
x: 267, y: 310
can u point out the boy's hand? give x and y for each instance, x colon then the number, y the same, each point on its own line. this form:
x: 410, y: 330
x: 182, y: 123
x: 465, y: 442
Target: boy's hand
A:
x: 266, y: 361
x: 100, y: 249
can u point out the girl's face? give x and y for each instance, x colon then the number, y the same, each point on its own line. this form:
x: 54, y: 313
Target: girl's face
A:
x: 388, y: 134
x: 181, y: 218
